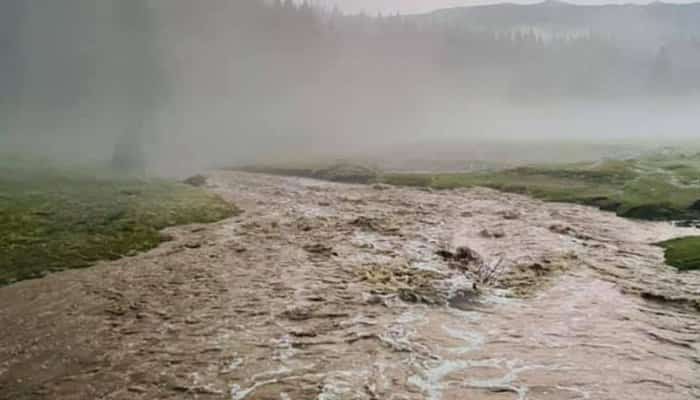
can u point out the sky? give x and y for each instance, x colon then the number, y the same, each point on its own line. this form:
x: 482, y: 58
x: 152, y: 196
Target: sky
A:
x: 420, y: 6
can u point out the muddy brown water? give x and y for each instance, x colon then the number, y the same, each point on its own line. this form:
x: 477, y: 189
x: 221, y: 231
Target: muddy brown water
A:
x: 327, y: 291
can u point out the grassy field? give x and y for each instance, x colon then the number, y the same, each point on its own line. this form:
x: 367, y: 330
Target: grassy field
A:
x: 53, y: 219
x: 683, y: 253
x: 652, y: 188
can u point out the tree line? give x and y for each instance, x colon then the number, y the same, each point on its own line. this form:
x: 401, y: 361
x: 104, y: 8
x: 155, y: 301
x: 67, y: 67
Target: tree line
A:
x: 133, y: 73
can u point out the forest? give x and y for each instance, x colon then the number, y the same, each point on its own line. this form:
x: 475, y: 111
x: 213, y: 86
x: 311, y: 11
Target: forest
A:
x: 149, y: 83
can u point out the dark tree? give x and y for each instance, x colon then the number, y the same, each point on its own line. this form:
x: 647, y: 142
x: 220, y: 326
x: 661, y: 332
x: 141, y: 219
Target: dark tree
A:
x: 661, y: 71
x: 11, y: 17
x: 137, y: 83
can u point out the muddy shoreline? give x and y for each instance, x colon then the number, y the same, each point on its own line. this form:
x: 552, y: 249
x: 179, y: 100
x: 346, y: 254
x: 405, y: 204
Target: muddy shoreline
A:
x: 330, y: 291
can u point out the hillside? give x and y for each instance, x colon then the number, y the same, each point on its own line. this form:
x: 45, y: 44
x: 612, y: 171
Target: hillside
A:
x: 653, y: 23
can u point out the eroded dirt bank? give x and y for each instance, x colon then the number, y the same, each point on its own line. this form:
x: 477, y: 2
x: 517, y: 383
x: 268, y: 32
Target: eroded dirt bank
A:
x: 326, y: 291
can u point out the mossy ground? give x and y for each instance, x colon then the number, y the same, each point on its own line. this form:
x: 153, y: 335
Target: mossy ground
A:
x: 55, y: 219
x: 683, y: 253
x: 651, y: 188
x: 345, y: 172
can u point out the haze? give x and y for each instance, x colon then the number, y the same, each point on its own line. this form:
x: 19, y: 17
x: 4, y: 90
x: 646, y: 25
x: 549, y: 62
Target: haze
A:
x: 287, y: 200
x: 423, y: 6
x: 173, y: 86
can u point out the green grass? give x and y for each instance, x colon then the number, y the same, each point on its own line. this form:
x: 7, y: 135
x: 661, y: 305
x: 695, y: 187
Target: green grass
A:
x: 662, y: 186
x: 657, y: 187
x: 335, y: 172
x: 683, y: 253
x: 640, y: 188
x: 56, y: 219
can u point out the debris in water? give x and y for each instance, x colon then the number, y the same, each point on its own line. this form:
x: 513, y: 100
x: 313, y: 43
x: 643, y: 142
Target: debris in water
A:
x: 196, y: 180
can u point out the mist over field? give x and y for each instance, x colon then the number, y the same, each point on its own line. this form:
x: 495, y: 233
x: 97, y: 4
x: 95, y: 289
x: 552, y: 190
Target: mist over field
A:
x: 172, y: 86
x: 282, y: 199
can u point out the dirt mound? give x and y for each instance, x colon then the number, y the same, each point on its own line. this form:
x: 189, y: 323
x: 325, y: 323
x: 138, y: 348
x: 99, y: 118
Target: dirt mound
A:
x: 196, y: 180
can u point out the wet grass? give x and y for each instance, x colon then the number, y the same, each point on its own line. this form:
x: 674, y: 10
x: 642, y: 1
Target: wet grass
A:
x: 641, y: 188
x: 334, y: 172
x: 683, y: 253
x: 55, y: 219
x: 661, y: 188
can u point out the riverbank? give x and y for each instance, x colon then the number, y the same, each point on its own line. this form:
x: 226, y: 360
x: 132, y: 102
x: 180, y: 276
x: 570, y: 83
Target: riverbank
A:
x: 655, y: 187
x: 57, y: 218
x: 324, y: 290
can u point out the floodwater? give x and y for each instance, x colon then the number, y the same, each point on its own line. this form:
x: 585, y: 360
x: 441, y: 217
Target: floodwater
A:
x: 328, y: 291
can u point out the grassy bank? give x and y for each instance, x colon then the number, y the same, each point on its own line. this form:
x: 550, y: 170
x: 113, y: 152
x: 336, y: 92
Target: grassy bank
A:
x: 661, y: 187
x: 334, y: 172
x: 56, y: 219
x: 683, y: 253
x: 651, y: 188
x: 656, y: 187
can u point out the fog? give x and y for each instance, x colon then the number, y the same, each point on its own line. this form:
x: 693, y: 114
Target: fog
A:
x: 173, y: 86
x: 426, y: 6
